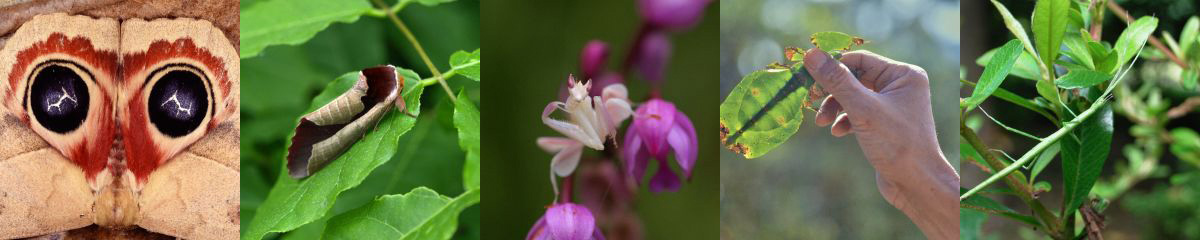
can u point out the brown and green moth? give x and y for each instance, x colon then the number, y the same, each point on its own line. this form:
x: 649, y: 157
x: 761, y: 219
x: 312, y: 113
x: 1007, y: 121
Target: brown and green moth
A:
x: 326, y: 133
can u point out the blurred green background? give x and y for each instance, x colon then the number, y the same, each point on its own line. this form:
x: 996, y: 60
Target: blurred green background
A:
x: 817, y: 186
x: 1165, y: 204
x: 278, y: 85
x: 532, y: 46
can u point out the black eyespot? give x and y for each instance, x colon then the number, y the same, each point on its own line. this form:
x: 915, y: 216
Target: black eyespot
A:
x: 178, y: 103
x: 59, y: 98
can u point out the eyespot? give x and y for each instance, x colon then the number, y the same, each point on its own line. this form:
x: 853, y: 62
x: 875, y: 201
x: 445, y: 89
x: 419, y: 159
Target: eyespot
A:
x: 59, y: 97
x: 178, y: 101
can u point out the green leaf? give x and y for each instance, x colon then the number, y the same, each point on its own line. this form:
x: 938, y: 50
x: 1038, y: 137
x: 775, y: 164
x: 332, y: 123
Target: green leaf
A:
x: 1042, y: 186
x: 465, y: 63
x: 966, y: 151
x: 1081, y: 78
x: 1133, y: 38
x: 1049, y: 24
x: 466, y: 119
x: 1044, y: 159
x: 1189, y: 39
x: 1083, y: 153
x: 1077, y: 49
x: 1015, y: 27
x: 970, y: 223
x: 427, y: 2
x: 1186, y: 145
x: 1047, y: 90
x: 994, y: 73
x: 292, y: 22
x: 1025, y: 67
x: 763, y: 111
x: 419, y: 214
x: 830, y: 41
x: 1103, y: 57
x: 293, y: 203
x: 989, y: 206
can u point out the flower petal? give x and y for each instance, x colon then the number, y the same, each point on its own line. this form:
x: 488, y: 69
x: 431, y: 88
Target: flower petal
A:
x: 655, y: 117
x: 592, y: 59
x: 683, y: 141
x: 635, y: 155
x: 569, y: 221
x: 565, y: 161
x: 665, y: 179
x: 538, y: 232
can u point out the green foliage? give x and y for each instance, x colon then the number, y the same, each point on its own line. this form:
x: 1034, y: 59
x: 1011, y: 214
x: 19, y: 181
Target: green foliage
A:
x: 749, y: 98
x: 830, y: 41
x: 345, y: 199
x: 1049, y: 24
x: 1083, y: 156
x: 466, y: 119
x: 465, y: 63
x: 1025, y: 67
x: 292, y: 22
x: 420, y: 214
x: 1075, y: 102
x: 295, y: 202
x: 994, y: 74
x: 1186, y: 145
x: 766, y: 107
x: 1081, y: 78
x: 1133, y: 38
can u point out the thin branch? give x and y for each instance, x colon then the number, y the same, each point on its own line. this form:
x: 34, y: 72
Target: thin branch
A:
x: 1124, y: 15
x: 1015, y: 181
x: 391, y: 14
x: 1184, y: 108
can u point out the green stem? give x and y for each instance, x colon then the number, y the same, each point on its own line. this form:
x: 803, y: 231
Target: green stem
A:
x: 1032, y: 153
x: 417, y: 45
x: 1014, y: 181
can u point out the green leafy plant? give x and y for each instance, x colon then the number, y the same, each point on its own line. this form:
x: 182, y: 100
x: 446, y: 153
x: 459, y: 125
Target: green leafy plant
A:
x: 766, y: 107
x: 1073, y: 92
x: 308, y: 204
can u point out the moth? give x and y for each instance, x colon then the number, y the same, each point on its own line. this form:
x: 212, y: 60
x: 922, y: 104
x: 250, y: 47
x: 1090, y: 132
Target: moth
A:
x: 119, y: 123
x: 326, y: 133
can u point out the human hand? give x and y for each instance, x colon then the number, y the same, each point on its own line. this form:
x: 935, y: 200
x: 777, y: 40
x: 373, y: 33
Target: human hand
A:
x: 886, y: 105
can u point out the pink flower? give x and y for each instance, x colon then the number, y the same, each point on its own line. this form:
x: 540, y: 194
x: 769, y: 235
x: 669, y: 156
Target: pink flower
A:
x: 652, y: 55
x: 565, y: 221
x: 657, y: 130
x: 591, y: 60
x: 672, y: 14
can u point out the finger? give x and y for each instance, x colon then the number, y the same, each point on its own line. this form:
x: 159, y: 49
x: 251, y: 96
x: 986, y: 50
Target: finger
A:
x: 842, y: 126
x: 867, y: 66
x: 828, y: 112
x: 838, y: 80
x: 878, y: 73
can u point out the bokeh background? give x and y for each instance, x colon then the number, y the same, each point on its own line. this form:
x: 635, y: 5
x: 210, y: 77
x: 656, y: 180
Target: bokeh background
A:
x: 817, y: 186
x: 279, y: 84
x: 1162, y: 204
x: 532, y: 46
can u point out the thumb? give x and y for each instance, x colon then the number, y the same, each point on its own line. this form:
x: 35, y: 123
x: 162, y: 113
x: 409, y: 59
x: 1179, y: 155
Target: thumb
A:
x: 837, y: 80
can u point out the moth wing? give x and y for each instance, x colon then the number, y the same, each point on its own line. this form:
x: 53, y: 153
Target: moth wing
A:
x: 40, y: 191
x: 196, y: 194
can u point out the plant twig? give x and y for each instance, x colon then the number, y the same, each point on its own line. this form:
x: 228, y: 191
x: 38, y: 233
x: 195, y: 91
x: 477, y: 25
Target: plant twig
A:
x: 1184, y: 108
x: 1014, y: 181
x: 1124, y: 15
x: 391, y: 14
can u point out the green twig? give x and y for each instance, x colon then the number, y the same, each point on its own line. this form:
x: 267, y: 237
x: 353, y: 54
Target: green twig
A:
x: 417, y: 45
x: 1014, y: 181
